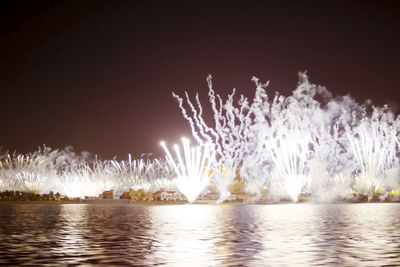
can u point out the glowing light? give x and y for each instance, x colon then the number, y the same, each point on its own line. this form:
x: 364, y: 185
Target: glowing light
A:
x: 304, y: 144
x: 299, y: 144
x: 191, y: 169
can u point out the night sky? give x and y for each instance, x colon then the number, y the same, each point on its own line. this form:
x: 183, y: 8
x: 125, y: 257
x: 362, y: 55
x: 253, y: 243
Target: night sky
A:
x: 98, y: 76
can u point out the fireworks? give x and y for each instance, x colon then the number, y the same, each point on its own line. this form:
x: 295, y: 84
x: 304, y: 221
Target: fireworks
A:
x: 192, y: 169
x: 306, y: 143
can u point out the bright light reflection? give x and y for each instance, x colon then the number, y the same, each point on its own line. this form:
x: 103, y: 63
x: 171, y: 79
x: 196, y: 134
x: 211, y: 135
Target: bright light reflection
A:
x: 184, y: 235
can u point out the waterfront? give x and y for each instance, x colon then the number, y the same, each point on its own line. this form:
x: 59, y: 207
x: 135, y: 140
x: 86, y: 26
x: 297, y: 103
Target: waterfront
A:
x: 363, y: 234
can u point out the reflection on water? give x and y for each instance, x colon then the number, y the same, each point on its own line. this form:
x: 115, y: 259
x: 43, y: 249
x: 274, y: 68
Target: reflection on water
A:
x: 201, y: 235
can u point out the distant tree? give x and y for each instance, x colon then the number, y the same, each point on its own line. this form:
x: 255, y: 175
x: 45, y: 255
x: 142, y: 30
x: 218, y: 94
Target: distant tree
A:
x: 45, y: 197
x: 51, y: 196
x: 17, y: 195
x: 36, y: 197
x: 58, y: 196
x: 9, y: 195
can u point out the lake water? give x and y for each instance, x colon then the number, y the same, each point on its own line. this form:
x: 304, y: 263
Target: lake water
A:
x: 201, y: 235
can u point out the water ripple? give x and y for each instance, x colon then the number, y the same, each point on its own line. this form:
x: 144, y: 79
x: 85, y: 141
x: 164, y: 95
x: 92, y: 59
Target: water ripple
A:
x: 200, y: 235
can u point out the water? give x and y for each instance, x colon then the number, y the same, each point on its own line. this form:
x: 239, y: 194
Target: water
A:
x: 201, y: 235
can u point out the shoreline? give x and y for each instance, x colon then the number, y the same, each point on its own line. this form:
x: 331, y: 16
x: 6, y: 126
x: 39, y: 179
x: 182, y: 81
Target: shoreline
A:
x: 151, y: 203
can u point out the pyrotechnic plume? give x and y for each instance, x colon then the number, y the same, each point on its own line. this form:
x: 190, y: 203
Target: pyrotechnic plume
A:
x: 281, y: 140
x: 289, y: 143
x: 192, y: 169
x: 308, y: 142
x: 26, y: 172
x: 143, y: 174
x: 374, y: 144
x: 227, y: 137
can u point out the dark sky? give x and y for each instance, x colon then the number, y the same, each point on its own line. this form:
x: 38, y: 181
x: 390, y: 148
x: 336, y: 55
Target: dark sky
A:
x: 98, y: 75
